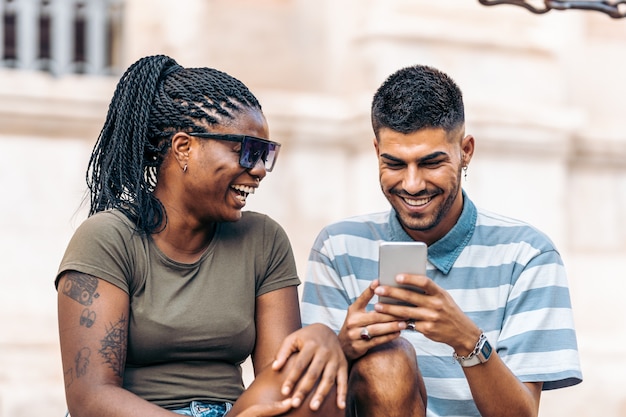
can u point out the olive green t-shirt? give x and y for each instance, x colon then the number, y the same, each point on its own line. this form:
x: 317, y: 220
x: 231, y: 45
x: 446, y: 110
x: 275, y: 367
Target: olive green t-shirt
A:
x: 191, y: 325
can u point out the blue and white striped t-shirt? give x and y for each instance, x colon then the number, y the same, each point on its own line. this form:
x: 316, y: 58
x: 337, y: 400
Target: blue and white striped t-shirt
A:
x: 504, y: 274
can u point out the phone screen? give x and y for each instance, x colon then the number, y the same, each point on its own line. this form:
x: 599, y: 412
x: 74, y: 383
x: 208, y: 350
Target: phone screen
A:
x: 398, y: 258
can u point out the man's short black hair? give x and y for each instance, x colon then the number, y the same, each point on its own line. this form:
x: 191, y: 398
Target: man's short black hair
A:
x: 418, y: 97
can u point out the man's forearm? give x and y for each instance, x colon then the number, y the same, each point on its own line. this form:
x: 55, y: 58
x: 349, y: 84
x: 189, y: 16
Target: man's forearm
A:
x: 497, y: 392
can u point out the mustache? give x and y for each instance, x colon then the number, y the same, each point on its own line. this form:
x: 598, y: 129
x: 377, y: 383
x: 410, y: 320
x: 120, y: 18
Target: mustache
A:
x: 421, y: 194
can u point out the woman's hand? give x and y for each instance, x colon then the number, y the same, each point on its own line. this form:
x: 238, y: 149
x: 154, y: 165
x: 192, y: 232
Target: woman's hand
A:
x: 320, y: 361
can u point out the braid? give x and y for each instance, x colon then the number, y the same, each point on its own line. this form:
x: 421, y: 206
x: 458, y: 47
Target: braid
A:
x: 155, y: 98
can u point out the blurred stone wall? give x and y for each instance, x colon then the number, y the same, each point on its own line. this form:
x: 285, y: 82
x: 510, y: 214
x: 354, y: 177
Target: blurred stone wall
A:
x: 544, y: 97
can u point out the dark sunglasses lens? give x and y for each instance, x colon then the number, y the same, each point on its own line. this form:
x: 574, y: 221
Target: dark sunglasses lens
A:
x: 253, y: 149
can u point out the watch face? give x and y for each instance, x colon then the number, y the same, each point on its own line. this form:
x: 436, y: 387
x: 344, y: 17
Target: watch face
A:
x: 486, y: 350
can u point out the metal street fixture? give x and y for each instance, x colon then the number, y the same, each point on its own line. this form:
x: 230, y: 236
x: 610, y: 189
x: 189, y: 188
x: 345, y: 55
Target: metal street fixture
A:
x: 616, y: 8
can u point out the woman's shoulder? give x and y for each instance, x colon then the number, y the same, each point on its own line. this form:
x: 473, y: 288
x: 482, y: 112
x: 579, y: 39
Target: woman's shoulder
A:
x: 102, y: 246
x: 110, y: 223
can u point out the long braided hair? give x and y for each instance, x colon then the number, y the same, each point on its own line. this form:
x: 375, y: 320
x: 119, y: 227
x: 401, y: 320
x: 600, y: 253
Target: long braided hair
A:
x: 154, y: 99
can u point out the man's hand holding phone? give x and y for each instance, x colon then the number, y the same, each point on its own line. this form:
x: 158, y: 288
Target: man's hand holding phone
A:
x: 406, y: 293
x: 362, y: 330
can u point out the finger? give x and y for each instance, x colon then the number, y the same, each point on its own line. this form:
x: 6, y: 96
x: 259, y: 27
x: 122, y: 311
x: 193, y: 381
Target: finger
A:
x: 414, y: 296
x: 342, y: 384
x: 301, y: 369
x: 404, y: 313
x: 383, y: 329
x: 314, y: 373
x: 365, y: 297
x: 381, y: 340
x: 266, y: 410
x: 422, y: 282
x: 326, y: 383
x: 287, y: 348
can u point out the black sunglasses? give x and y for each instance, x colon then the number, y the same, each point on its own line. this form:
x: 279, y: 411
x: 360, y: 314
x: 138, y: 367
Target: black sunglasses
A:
x: 252, y: 148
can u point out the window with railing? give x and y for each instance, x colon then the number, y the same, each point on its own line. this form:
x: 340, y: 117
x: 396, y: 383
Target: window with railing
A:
x: 61, y: 36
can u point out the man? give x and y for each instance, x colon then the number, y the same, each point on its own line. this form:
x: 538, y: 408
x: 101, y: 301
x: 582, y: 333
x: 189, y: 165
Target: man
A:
x: 493, y: 327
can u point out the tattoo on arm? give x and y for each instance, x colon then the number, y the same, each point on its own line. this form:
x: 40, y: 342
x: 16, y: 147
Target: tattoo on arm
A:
x: 82, y: 361
x: 81, y: 287
x: 114, y: 346
x: 87, y: 318
x: 68, y: 377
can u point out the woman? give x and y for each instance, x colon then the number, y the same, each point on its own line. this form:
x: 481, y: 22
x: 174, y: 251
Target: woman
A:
x: 168, y: 286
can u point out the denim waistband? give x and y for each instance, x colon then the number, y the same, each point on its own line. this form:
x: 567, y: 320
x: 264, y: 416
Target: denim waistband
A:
x: 199, y: 409
x: 205, y: 409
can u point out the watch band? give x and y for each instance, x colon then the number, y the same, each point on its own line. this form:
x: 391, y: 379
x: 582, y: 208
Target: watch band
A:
x: 480, y: 354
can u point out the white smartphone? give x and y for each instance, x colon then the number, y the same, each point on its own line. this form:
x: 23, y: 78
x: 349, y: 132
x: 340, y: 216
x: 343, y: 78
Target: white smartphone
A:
x: 400, y: 258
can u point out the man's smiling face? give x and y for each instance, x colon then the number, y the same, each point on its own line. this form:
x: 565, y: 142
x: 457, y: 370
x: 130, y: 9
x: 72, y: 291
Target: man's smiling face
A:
x: 420, y: 174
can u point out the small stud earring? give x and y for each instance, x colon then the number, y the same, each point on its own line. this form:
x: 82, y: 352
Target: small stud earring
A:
x: 465, y: 172
x: 185, y: 168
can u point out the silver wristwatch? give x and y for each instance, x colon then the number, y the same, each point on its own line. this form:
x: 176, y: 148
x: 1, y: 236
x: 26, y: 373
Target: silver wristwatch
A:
x: 480, y: 354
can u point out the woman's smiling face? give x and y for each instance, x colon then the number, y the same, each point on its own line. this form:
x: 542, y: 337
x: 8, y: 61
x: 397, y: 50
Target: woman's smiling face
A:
x: 215, y: 185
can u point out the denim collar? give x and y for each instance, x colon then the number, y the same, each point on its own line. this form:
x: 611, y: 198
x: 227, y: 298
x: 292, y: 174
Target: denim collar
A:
x: 444, y: 252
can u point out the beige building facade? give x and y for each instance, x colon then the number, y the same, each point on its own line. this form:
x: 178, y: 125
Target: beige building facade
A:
x: 545, y: 100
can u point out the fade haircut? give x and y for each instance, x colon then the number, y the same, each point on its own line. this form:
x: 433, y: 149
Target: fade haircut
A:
x: 417, y: 97
x: 154, y: 99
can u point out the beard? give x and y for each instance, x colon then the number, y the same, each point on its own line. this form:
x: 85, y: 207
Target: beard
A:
x: 426, y: 222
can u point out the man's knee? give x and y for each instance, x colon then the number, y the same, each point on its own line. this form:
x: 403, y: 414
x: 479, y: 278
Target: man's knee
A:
x: 388, y: 375
x: 386, y: 362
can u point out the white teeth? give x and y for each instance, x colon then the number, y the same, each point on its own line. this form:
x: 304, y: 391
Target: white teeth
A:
x: 244, y: 189
x: 419, y: 202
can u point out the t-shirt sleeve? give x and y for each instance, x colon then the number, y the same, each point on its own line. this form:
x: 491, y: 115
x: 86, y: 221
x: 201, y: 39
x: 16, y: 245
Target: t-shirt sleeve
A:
x: 538, y: 339
x: 324, y: 296
x: 280, y: 266
x: 98, y: 248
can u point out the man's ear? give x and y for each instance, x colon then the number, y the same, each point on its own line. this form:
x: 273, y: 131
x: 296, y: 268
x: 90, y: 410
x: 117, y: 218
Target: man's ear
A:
x: 375, y: 141
x: 181, y: 146
x: 467, y: 149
